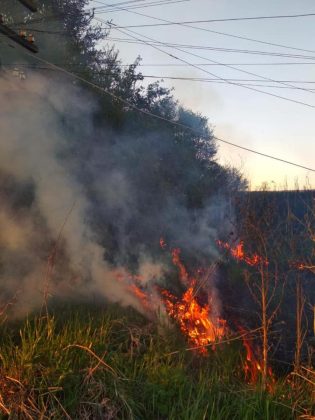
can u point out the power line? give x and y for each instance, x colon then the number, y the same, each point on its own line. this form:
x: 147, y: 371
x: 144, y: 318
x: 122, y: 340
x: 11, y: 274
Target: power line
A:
x: 188, y: 46
x: 61, y: 15
x: 212, y: 74
x: 115, y: 4
x: 217, y: 20
x: 215, y: 64
x: 226, y: 65
x: 174, y: 123
x: 128, y: 4
x: 248, y: 87
x: 220, y: 33
x: 95, y: 11
x: 144, y: 6
x: 234, y: 36
x: 221, y: 64
x: 240, y: 70
x: 203, y: 47
x: 104, y: 72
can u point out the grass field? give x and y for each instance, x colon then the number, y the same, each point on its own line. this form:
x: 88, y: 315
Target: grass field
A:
x: 111, y: 363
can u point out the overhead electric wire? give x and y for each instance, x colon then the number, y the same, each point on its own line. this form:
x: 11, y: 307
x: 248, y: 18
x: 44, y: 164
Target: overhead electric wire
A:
x: 214, y: 75
x: 226, y: 65
x: 153, y: 115
x: 218, y: 33
x: 214, y: 64
x: 62, y: 15
x: 126, y: 4
x: 187, y: 46
x: 205, y: 58
x: 198, y: 28
x: 206, y: 47
x: 115, y: 4
x: 93, y: 10
x: 221, y: 20
x: 240, y: 70
x: 142, y: 6
x: 104, y: 72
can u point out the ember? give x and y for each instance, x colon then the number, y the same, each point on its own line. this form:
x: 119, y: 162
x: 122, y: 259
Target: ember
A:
x: 296, y: 265
x: 163, y: 244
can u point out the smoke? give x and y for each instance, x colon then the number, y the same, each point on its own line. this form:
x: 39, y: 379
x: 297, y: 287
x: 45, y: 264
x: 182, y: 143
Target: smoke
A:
x: 78, y: 203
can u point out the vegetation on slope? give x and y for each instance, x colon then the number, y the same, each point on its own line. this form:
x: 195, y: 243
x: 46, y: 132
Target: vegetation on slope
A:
x: 109, y: 363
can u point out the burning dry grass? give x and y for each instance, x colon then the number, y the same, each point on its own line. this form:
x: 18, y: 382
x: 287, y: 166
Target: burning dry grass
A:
x: 194, y: 319
x: 105, y: 363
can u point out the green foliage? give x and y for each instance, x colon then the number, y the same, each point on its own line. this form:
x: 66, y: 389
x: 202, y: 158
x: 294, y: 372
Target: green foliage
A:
x: 111, y: 363
x: 169, y: 172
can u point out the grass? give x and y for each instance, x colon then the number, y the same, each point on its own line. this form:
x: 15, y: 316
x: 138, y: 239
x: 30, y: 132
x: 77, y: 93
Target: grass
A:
x: 111, y: 363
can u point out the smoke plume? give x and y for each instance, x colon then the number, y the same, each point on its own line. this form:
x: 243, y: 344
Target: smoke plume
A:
x: 78, y: 204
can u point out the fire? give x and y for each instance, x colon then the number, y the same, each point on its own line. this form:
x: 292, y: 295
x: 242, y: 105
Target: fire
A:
x: 195, y: 320
x: 239, y: 254
x: 198, y: 322
x: 300, y: 266
x: 141, y: 295
x: 253, y: 365
x: 133, y: 284
x: 183, y: 274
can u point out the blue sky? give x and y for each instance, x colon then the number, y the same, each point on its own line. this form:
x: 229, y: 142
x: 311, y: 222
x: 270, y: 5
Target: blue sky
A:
x: 251, y: 119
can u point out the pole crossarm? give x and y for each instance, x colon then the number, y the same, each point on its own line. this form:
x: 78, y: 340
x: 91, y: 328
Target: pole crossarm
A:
x: 26, y: 41
x: 18, y: 38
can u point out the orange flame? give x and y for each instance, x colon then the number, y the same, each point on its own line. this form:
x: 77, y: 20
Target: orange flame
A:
x: 141, y: 295
x: 132, y: 282
x: 253, y: 365
x: 239, y: 254
x: 183, y: 274
x: 196, y: 321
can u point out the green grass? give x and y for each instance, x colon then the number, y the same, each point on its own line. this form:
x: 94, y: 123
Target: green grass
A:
x: 110, y: 363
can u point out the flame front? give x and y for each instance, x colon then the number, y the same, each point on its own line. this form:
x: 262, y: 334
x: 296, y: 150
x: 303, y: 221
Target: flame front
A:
x: 239, y: 254
x: 194, y: 319
x: 198, y: 322
x: 252, y: 365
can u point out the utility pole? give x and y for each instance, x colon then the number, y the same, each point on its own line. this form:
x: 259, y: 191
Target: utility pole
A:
x: 22, y: 37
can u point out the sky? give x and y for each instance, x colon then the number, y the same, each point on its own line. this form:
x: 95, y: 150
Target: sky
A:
x: 252, y: 119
